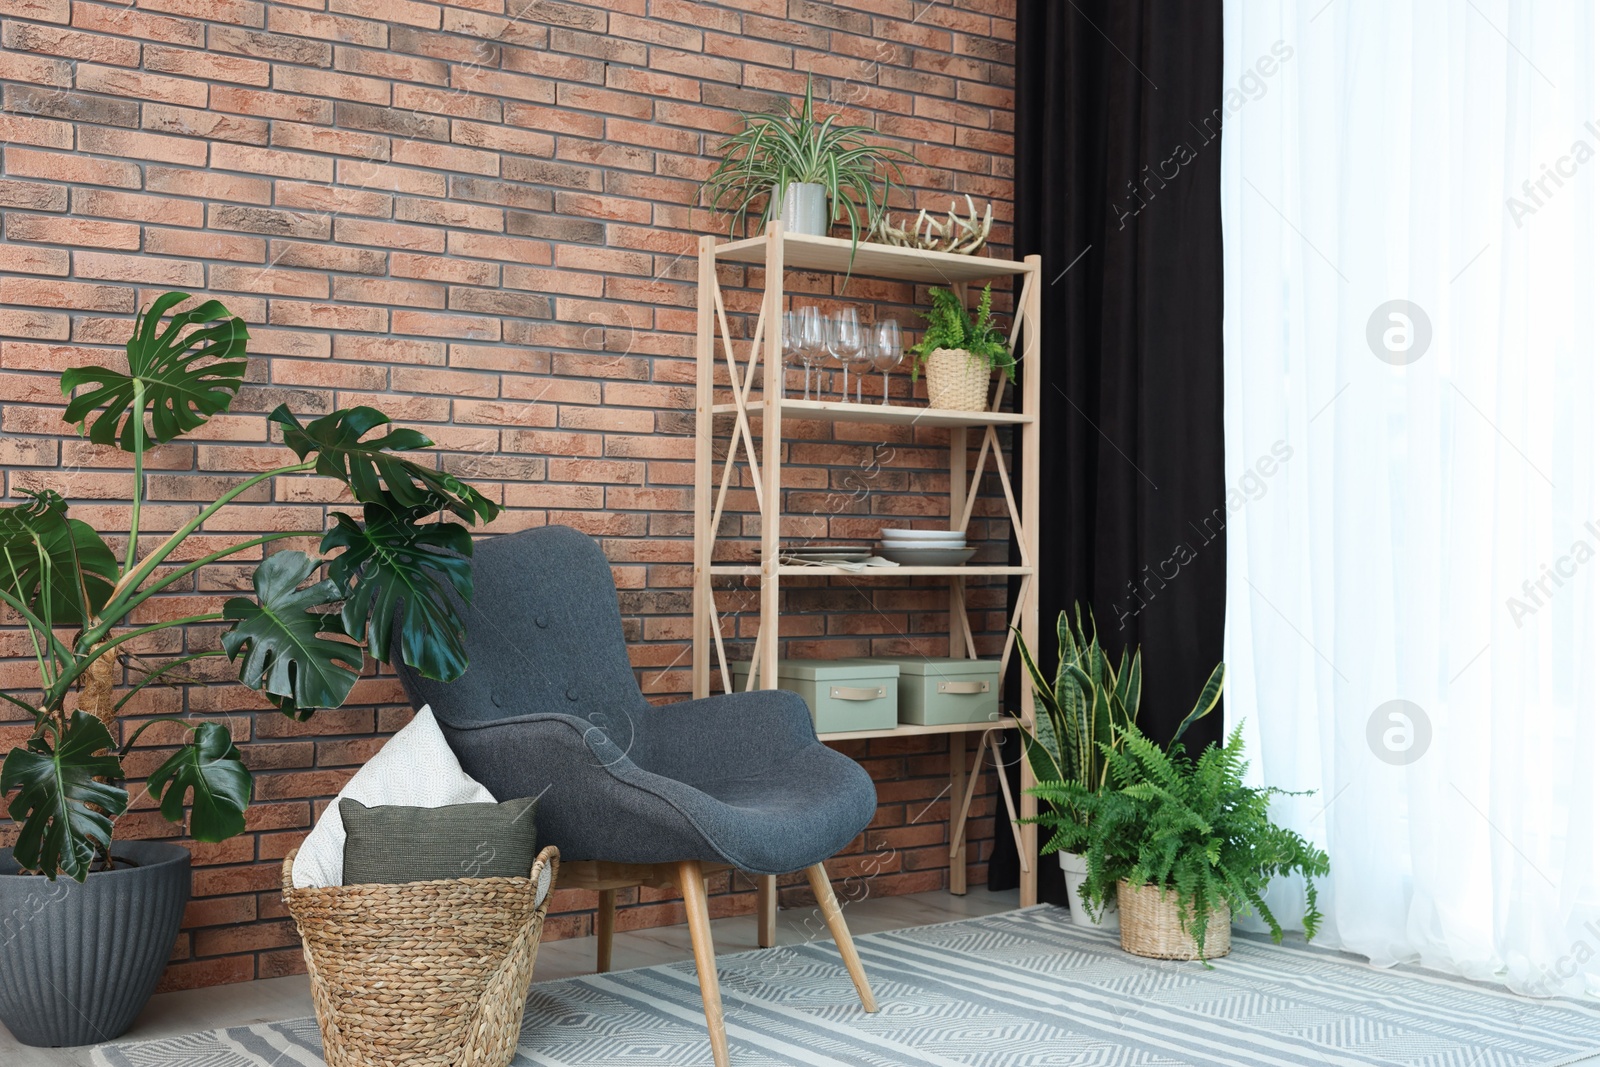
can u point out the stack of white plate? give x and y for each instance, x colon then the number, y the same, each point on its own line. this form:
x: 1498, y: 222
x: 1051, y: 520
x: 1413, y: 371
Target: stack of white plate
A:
x: 925, y: 548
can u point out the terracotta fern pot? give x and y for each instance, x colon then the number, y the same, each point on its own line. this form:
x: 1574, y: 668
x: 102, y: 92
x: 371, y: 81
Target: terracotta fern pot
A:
x: 1151, y: 925
x: 958, y: 380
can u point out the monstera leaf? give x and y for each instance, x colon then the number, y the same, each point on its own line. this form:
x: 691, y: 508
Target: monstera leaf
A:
x: 286, y: 653
x: 65, y: 814
x: 392, y: 561
x: 57, y: 566
x: 210, y: 766
x: 369, y: 467
x: 186, y: 376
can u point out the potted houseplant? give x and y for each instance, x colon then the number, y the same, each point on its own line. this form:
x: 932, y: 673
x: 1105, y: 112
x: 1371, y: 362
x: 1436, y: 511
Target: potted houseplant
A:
x: 812, y: 172
x: 1081, y: 707
x: 961, y: 350
x: 1183, y: 844
x: 100, y: 916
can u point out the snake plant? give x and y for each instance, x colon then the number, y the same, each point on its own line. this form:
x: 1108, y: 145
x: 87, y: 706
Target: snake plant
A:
x: 1076, y: 710
x: 299, y: 640
x: 1088, y: 708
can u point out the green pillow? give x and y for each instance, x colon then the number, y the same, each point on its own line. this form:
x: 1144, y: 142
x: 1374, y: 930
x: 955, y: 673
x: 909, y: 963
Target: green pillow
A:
x: 391, y: 843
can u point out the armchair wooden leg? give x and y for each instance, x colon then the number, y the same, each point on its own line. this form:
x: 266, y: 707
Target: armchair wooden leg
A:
x: 822, y: 889
x: 605, y: 928
x: 766, y: 910
x: 691, y: 880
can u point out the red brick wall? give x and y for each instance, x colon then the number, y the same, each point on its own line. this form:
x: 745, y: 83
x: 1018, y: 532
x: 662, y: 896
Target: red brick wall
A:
x: 479, y: 217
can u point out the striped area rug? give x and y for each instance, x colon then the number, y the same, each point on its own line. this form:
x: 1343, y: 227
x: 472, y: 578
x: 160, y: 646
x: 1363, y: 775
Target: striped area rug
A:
x: 1018, y: 989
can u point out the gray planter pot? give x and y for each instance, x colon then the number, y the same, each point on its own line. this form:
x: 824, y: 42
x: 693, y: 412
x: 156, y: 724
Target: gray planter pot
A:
x: 78, y: 962
x: 804, y: 209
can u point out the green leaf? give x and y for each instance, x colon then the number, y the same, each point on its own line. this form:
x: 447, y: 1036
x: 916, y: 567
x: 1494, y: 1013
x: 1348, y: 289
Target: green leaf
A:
x: 187, y: 375
x: 950, y: 325
x: 211, y: 768
x: 285, y: 653
x: 1205, y: 703
x: 1131, y: 684
x: 370, y: 468
x: 56, y: 565
x: 55, y: 787
x: 392, y: 561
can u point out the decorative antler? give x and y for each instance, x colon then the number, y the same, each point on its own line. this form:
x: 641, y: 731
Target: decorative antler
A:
x: 963, y: 236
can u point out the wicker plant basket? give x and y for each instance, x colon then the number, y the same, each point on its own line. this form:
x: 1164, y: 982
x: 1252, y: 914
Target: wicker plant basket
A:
x: 958, y: 380
x: 424, y: 973
x: 1151, y: 927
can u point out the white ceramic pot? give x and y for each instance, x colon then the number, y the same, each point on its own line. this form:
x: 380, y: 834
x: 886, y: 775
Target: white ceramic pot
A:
x: 804, y: 209
x: 958, y: 380
x: 1076, y: 869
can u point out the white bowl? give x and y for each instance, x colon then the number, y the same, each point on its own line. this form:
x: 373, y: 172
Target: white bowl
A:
x: 935, y: 536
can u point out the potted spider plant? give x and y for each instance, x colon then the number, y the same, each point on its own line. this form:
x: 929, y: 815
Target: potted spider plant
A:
x: 961, y: 351
x: 807, y: 171
x: 91, y: 921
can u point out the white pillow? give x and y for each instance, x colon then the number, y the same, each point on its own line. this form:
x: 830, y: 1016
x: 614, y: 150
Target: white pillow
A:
x: 415, y: 767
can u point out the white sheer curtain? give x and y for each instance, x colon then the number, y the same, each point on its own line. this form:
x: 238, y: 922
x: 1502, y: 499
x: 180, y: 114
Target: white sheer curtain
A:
x: 1410, y: 223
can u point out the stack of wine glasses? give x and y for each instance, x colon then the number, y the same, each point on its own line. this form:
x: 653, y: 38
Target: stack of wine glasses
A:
x: 809, y: 337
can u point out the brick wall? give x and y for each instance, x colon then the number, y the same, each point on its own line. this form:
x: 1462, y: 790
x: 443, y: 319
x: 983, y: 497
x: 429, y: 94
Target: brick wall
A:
x: 479, y: 217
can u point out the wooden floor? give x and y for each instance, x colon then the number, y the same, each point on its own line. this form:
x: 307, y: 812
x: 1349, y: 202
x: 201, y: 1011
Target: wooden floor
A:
x: 289, y: 998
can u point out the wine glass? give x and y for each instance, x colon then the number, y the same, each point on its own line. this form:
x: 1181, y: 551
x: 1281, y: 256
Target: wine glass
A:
x: 888, y: 350
x: 811, y: 337
x: 792, y: 356
x: 861, y: 360
x: 845, y: 343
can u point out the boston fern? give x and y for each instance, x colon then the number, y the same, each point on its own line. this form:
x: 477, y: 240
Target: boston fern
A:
x: 950, y: 325
x: 1190, y: 825
x: 299, y: 640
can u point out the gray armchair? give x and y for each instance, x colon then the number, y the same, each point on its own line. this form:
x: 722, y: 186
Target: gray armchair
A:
x: 649, y: 795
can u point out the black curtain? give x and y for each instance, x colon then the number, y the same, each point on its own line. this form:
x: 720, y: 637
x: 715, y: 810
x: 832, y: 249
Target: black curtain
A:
x: 1119, y: 112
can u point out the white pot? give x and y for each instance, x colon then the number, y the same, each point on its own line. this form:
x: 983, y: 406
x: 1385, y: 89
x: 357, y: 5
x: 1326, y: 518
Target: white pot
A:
x: 804, y: 209
x: 1076, y: 868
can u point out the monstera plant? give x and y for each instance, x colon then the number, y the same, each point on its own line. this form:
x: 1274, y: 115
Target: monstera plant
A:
x: 299, y: 640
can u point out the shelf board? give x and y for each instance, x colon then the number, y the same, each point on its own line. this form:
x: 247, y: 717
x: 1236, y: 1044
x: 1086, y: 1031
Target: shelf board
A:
x: 896, y: 414
x: 803, y: 252
x: 793, y: 570
x: 913, y: 730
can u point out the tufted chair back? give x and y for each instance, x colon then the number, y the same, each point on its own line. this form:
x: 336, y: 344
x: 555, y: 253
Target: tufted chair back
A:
x: 544, y: 636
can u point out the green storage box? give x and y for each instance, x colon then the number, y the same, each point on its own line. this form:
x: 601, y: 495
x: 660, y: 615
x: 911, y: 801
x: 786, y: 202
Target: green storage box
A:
x: 842, y: 694
x: 941, y: 692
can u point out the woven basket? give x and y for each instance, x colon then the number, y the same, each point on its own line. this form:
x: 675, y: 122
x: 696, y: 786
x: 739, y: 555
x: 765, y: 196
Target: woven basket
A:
x: 423, y: 973
x: 958, y: 380
x: 1151, y: 927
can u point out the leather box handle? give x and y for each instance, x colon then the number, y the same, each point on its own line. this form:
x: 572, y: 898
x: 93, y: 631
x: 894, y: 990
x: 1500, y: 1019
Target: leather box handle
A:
x: 855, y: 692
x: 964, y: 688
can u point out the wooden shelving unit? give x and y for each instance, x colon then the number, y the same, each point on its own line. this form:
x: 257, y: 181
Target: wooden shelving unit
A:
x: 759, y: 411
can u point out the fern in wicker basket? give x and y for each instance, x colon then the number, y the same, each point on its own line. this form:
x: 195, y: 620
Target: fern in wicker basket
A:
x: 1191, y: 825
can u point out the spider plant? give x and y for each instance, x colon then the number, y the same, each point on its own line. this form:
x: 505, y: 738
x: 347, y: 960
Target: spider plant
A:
x: 774, y: 151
